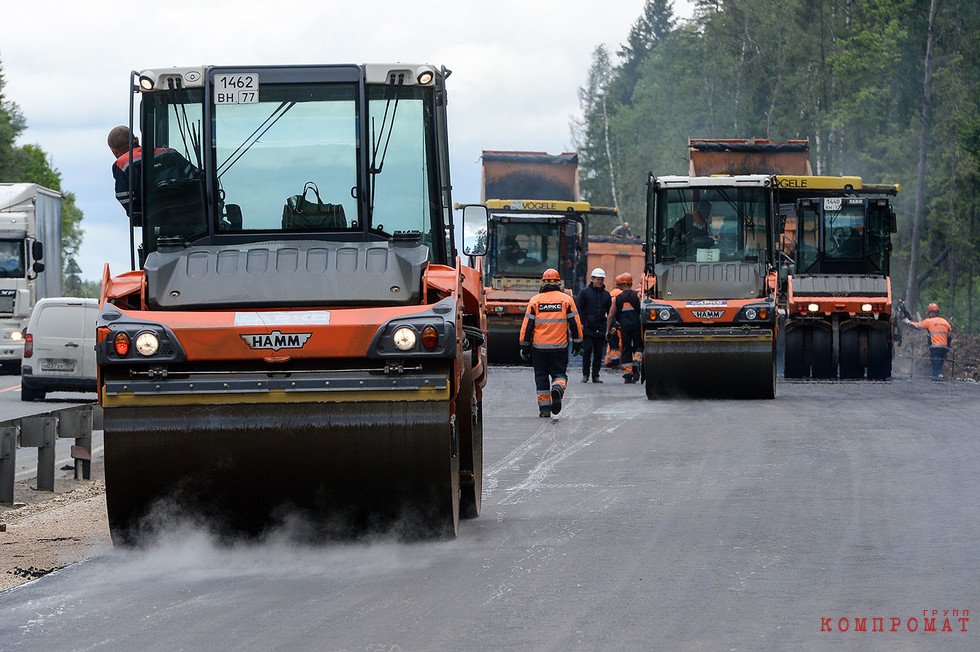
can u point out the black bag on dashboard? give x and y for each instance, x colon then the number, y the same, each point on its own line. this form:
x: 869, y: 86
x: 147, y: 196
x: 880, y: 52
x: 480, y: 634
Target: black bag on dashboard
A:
x: 302, y: 213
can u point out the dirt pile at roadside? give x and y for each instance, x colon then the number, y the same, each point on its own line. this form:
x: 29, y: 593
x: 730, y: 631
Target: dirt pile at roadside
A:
x: 52, y: 530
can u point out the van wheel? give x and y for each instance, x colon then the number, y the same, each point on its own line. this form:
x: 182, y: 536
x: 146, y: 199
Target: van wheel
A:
x: 29, y: 394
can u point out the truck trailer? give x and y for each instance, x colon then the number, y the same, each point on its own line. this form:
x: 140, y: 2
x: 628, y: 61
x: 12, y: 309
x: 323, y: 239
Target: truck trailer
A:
x: 30, y: 261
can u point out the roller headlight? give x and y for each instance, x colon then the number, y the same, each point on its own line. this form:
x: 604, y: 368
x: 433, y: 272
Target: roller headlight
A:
x: 866, y: 307
x: 750, y: 313
x: 813, y: 307
x: 147, y: 344
x: 404, y: 338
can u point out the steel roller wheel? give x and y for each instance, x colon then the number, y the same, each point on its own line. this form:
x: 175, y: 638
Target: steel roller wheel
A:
x: 794, y: 354
x: 345, y: 469
x: 879, y: 354
x: 850, y: 354
x: 469, y: 417
x: 823, y: 354
x: 503, y: 347
x: 654, y: 385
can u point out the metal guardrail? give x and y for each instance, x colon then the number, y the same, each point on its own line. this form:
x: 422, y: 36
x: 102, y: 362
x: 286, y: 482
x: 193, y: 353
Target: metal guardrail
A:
x: 42, y: 431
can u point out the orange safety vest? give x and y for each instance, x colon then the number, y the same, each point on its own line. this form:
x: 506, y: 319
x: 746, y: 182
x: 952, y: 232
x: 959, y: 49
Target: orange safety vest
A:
x: 939, y: 330
x: 548, y: 319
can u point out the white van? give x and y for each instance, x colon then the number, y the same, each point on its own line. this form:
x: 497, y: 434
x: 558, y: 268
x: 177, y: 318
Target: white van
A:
x: 59, y: 348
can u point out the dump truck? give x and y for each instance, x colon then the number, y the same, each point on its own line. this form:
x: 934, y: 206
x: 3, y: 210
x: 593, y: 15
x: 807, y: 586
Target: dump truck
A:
x: 709, y: 326
x: 836, y: 288
x: 536, y: 222
x: 30, y: 261
x: 301, y: 336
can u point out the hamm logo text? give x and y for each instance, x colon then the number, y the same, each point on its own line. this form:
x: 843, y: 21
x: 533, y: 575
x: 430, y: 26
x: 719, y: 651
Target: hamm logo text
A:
x: 277, y: 340
x: 708, y: 314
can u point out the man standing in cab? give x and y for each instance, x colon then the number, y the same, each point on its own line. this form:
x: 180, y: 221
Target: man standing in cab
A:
x: 550, y: 321
x: 625, y: 313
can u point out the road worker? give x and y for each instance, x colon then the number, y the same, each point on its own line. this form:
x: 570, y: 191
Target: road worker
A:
x: 593, y: 303
x: 940, y: 338
x: 550, y: 321
x: 614, y: 340
x: 625, y: 313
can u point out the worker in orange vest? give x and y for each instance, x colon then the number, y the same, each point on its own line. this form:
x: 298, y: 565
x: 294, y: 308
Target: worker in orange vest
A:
x: 550, y: 319
x: 625, y: 313
x: 940, y: 338
x: 613, y: 353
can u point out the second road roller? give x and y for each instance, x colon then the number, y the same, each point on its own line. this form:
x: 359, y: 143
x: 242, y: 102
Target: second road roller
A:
x: 709, y: 317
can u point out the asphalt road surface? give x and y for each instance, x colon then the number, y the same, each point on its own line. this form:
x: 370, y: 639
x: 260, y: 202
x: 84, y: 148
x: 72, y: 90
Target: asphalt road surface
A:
x: 625, y: 524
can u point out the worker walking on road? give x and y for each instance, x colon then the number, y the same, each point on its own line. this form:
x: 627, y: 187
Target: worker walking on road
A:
x: 940, y: 338
x: 550, y: 319
x: 625, y: 314
x: 593, y: 304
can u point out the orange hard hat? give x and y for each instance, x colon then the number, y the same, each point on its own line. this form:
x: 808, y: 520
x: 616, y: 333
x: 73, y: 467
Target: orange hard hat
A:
x: 551, y: 274
x: 625, y: 278
x: 933, y: 307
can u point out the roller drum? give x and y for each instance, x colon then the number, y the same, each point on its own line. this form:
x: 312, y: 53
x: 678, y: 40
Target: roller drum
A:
x: 710, y: 367
x: 503, y: 343
x: 348, y: 467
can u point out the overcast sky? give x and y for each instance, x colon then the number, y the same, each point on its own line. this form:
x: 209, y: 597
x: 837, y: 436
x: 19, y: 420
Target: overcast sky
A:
x: 517, y: 66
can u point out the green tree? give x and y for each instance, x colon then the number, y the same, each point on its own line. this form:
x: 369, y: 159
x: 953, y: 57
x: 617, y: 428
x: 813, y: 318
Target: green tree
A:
x: 30, y: 164
x: 849, y: 75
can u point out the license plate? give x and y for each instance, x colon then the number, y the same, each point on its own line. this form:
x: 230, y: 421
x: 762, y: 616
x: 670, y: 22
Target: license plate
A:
x: 57, y: 365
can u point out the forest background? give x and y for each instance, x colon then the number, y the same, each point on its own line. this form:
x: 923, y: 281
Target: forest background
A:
x: 883, y: 89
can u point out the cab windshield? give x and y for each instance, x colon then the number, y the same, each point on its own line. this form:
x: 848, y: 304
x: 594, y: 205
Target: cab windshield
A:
x: 843, y: 235
x: 12, y: 259
x: 526, y: 248
x: 296, y: 160
x: 843, y: 222
x: 712, y: 224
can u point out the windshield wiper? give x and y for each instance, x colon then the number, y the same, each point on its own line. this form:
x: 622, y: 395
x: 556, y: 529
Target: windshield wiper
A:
x: 254, y: 137
x: 184, y: 126
x: 376, y: 166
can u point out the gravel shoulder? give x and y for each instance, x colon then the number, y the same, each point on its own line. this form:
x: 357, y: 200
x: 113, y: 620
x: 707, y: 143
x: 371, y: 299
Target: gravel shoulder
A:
x: 46, y: 531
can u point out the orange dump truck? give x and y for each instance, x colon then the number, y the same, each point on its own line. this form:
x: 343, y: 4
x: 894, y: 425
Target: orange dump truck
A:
x: 301, y: 337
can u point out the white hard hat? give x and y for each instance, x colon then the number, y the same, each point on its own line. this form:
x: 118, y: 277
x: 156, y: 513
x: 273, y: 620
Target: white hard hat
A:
x: 598, y: 272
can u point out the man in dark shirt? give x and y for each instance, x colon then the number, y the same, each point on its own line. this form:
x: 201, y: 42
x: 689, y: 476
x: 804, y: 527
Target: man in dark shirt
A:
x: 593, y: 303
x: 119, y: 142
x: 689, y: 228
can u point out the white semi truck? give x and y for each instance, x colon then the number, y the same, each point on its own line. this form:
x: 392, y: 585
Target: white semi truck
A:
x: 30, y: 232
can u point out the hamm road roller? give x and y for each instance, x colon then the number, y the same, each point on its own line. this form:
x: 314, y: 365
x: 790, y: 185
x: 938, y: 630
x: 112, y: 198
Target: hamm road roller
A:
x: 299, y: 335
x: 709, y: 325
